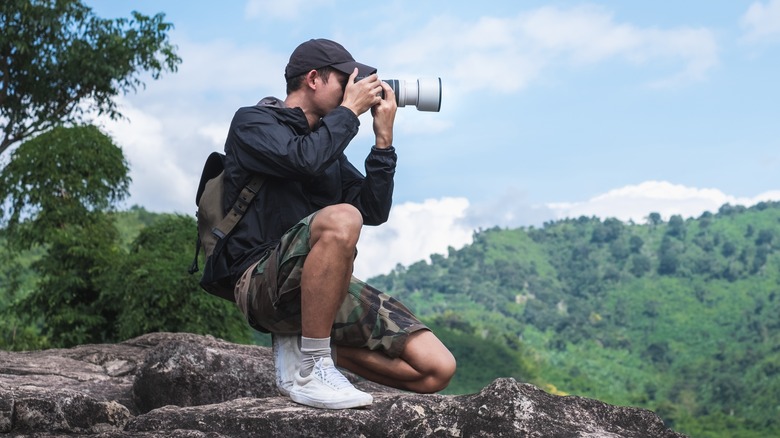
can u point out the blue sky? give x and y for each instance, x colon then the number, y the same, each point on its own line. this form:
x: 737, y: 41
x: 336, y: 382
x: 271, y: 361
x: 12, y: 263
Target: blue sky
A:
x: 550, y: 109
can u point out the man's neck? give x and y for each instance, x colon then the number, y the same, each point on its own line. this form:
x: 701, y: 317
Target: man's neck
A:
x: 295, y: 100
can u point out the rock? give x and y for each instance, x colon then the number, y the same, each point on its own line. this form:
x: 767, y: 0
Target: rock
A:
x: 37, y: 409
x: 184, y: 385
x: 200, y: 371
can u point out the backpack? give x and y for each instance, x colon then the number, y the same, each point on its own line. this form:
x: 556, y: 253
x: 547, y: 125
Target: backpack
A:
x: 214, y: 226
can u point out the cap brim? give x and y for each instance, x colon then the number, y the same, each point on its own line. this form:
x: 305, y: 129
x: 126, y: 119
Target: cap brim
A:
x: 349, y: 67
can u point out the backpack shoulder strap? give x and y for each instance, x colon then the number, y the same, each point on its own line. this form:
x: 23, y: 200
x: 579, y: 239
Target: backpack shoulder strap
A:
x: 239, y: 207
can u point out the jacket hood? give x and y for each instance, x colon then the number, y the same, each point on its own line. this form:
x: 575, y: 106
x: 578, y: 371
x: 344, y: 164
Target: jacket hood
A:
x: 283, y: 113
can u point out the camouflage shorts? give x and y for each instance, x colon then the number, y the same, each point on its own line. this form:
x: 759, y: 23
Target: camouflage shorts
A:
x: 269, y: 295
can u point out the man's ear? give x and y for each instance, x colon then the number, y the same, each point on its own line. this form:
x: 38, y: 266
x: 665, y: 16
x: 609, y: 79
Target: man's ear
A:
x: 310, y: 78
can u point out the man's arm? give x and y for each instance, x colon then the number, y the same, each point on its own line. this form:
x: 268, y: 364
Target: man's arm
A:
x: 375, y: 197
x: 384, y: 118
x: 263, y: 145
x: 372, y: 195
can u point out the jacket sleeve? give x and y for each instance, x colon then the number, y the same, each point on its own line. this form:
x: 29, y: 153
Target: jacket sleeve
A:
x: 372, y: 195
x: 289, y: 151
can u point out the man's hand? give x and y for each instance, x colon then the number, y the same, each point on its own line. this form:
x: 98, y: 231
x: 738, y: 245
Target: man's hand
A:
x: 384, y: 117
x: 361, y: 95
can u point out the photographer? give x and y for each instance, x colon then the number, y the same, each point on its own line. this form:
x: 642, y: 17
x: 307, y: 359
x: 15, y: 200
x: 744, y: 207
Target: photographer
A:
x: 292, y: 254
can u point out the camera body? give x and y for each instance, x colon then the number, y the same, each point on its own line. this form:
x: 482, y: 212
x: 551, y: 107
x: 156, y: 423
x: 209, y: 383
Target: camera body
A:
x: 423, y: 93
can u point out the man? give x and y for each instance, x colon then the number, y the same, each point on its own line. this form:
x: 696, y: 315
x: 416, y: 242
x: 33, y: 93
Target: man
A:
x: 292, y: 254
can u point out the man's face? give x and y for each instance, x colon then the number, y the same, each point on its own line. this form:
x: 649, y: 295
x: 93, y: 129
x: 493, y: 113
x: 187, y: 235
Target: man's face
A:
x: 333, y: 90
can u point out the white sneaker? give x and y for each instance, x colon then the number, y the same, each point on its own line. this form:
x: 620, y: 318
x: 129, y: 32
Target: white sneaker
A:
x: 327, y: 388
x: 287, y: 358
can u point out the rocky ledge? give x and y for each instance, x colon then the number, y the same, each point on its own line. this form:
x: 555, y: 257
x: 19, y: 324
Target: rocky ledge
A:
x: 184, y: 385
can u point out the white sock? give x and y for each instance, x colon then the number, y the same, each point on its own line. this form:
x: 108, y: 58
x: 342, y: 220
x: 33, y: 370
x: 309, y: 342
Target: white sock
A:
x: 313, y: 349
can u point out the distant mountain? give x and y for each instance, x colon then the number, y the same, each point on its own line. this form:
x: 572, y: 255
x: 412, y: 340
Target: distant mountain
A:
x: 681, y: 317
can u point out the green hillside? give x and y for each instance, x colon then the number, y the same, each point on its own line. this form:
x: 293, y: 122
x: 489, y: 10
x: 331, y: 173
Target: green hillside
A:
x: 682, y: 317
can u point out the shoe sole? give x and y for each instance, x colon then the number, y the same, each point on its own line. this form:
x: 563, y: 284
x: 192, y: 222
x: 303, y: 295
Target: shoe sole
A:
x: 345, y: 404
x: 282, y: 390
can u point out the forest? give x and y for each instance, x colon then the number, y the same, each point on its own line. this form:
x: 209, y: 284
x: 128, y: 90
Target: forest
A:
x: 678, y: 316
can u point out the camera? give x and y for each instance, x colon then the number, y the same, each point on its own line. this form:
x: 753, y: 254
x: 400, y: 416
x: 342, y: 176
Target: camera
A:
x: 424, y: 93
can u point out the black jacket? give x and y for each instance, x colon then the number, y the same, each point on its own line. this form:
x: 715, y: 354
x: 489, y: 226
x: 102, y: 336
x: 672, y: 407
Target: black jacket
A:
x: 305, y: 171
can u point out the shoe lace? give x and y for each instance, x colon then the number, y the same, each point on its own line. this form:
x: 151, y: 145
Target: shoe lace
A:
x: 331, y: 375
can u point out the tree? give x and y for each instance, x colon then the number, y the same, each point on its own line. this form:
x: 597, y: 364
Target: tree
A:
x: 56, y: 189
x: 676, y: 226
x: 640, y: 264
x: 765, y: 237
x: 654, y: 219
x: 59, y: 63
x: 54, y: 178
x: 635, y: 243
x: 669, y: 256
x: 66, y: 303
x: 153, y: 291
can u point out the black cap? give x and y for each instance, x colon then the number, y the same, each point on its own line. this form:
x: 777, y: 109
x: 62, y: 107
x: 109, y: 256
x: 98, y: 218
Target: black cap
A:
x: 314, y: 54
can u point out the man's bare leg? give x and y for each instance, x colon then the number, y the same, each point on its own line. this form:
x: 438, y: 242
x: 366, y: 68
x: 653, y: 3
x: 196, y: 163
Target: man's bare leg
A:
x: 324, y: 282
x: 328, y: 267
x: 425, y: 366
x: 327, y: 270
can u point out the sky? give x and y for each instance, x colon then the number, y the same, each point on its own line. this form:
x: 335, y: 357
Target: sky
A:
x: 550, y: 109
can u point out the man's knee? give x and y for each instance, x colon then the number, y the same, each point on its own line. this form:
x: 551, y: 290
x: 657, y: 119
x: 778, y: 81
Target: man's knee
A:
x: 426, y: 353
x: 339, y: 224
x: 442, y: 370
x: 343, y: 214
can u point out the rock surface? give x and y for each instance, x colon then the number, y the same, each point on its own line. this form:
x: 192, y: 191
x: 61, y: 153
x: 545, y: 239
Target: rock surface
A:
x: 184, y: 385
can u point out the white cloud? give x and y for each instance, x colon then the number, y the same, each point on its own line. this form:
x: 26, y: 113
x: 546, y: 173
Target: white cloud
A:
x: 215, y: 132
x: 761, y: 22
x: 696, y: 46
x: 512, y: 209
x: 222, y: 66
x: 508, y: 53
x: 413, y: 232
x: 588, y: 34
x: 160, y: 167
x: 635, y: 202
